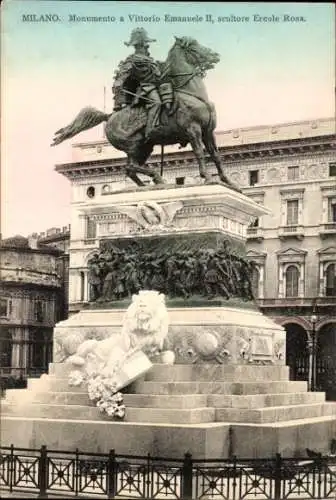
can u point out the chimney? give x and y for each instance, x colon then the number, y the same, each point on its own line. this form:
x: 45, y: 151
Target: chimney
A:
x: 33, y: 241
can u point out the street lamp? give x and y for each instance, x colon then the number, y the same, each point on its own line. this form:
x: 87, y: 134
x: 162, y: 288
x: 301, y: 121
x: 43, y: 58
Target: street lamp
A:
x: 313, y: 353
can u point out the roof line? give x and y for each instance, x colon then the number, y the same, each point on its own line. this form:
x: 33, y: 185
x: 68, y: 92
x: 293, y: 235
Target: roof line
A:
x: 243, y: 129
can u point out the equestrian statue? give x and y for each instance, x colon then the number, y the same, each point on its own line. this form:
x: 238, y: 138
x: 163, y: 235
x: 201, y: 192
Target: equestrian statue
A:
x: 158, y: 103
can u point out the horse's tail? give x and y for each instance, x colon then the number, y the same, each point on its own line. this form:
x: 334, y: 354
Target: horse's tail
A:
x: 87, y: 118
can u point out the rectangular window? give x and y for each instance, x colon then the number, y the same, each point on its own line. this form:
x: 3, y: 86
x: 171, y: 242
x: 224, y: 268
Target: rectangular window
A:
x: 38, y: 348
x: 292, y: 212
x: 91, y: 229
x: 254, y: 177
x: 331, y: 280
x: 4, y: 310
x: 293, y: 173
x: 292, y: 281
x: 255, y: 223
x: 6, y: 345
x: 180, y: 181
x: 38, y: 311
x: 332, y: 210
x: 332, y: 169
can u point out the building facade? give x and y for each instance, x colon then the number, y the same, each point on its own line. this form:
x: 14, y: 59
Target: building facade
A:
x: 30, y: 297
x: 58, y: 238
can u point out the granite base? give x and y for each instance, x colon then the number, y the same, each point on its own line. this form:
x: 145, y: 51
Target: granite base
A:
x: 164, y: 440
x: 219, y: 335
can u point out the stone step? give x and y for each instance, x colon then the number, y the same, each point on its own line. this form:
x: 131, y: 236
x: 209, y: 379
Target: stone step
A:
x: 15, y: 396
x: 171, y: 416
x: 201, y: 372
x: 275, y: 413
x: 184, y: 401
x: 160, y: 440
x: 55, y: 384
x: 290, y: 438
x: 233, y: 388
x: 77, y: 412
x: 264, y: 400
x: 209, y: 440
x: 216, y: 373
x: 248, y: 401
x: 51, y: 411
x: 131, y: 400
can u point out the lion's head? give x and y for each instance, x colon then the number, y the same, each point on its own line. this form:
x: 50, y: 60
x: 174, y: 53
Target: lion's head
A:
x: 147, y: 316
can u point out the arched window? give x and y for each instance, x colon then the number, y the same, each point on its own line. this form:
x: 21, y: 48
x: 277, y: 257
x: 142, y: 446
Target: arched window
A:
x: 297, y: 356
x: 331, y: 280
x: 82, y: 286
x: 90, y: 192
x: 292, y: 281
x: 255, y: 282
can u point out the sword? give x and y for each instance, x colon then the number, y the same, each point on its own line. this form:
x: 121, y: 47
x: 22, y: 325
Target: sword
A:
x: 136, y: 95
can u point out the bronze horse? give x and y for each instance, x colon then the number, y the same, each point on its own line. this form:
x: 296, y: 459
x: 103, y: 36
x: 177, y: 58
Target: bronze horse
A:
x: 193, y: 120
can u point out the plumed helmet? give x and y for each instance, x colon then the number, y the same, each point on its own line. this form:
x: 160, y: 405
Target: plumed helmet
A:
x: 139, y: 36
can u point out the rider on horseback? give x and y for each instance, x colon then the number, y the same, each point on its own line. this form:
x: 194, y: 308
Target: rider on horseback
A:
x: 140, y: 79
x: 190, y: 118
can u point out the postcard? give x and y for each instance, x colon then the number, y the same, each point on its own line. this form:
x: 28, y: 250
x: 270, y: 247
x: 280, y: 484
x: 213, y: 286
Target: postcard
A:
x: 167, y: 247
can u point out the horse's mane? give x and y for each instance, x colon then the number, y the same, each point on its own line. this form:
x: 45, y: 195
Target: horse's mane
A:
x: 202, y: 58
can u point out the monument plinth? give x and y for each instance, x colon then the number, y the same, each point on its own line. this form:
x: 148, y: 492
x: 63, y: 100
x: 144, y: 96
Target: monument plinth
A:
x: 169, y: 233
x: 229, y: 389
x: 171, y: 209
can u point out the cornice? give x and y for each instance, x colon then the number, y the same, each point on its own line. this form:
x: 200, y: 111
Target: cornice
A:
x: 54, y: 237
x: 270, y: 150
x: 44, y: 250
x: 31, y: 286
x: 292, y: 189
x: 330, y: 187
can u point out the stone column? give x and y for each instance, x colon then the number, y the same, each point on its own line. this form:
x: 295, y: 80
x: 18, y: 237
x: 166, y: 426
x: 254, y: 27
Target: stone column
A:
x: 98, y: 229
x: 25, y: 349
x: 73, y: 278
x: 78, y: 286
x: 261, y: 282
x: 324, y: 209
x: 300, y: 211
x: 86, y: 287
x: 20, y: 351
x: 310, y: 365
x: 281, y: 283
x: 15, y: 362
x: 301, y: 282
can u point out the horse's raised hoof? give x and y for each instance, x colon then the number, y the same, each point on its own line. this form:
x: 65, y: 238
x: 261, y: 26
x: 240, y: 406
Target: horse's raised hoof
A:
x: 235, y: 188
x: 208, y: 180
x: 132, y: 175
x: 230, y: 185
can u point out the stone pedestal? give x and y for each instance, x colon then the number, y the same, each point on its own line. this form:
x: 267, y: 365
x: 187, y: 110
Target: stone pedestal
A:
x: 170, y: 218
x: 229, y: 391
x: 211, y: 410
x: 224, y: 335
x: 173, y: 209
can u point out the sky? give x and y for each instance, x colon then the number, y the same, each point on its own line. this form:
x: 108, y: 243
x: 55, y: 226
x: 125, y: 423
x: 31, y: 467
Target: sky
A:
x: 272, y: 70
